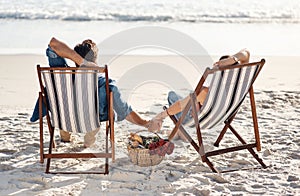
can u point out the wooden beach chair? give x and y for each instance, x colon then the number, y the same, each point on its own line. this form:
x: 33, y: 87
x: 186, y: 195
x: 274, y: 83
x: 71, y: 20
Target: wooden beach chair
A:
x: 71, y: 99
x: 228, y: 88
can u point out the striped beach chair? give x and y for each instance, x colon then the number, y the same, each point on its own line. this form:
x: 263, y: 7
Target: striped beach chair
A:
x: 71, y: 99
x: 229, y: 86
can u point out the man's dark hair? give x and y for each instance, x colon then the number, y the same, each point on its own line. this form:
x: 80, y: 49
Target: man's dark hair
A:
x: 87, y: 50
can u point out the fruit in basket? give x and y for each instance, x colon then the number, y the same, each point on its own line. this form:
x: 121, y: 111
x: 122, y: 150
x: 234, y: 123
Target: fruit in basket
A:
x: 149, y: 140
x: 161, y: 148
x: 135, y: 144
x: 136, y: 137
x: 157, y: 144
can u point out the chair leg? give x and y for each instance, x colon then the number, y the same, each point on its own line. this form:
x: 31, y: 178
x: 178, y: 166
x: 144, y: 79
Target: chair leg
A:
x: 106, y: 147
x: 221, y: 135
x: 193, y: 101
x: 41, y: 129
x: 112, y: 127
x: 48, y: 119
x: 254, y: 117
x: 50, y: 149
x: 201, y: 150
x: 211, y: 166
x: 179, y: 121
x: 183, y: 131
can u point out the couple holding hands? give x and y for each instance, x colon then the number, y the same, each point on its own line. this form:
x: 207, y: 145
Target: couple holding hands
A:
x: 85, y: 54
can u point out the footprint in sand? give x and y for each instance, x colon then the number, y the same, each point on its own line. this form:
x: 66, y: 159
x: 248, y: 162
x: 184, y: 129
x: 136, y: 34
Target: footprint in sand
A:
x: 4, y: 118
x: 5, y: 167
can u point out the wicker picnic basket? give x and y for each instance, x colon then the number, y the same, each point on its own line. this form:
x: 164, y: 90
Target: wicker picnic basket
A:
x: 142, y: 157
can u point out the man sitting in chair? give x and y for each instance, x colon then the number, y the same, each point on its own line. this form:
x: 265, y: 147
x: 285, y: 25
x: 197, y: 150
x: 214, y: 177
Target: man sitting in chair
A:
x: 177, y: 103
x: 85, y: 54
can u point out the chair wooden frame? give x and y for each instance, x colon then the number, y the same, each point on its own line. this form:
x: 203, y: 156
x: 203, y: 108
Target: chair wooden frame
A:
x: 199, y: 147
x: 109, y: 132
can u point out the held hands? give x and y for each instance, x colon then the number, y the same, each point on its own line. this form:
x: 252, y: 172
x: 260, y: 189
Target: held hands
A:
x: 156, y: 122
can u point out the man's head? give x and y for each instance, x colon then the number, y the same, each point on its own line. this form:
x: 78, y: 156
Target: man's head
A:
x: 87, y: 50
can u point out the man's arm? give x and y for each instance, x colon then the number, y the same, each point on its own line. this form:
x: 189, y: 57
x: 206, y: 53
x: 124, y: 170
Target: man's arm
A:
x: 134, y: 118
x: 65, y: 51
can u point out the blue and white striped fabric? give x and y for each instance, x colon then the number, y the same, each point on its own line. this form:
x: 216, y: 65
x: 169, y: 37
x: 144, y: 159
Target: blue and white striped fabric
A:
x: 227, y: 91
x: 73, y: 99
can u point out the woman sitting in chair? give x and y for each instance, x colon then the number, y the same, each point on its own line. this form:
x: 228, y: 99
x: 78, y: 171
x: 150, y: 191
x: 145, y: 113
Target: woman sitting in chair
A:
x: 177, y: 103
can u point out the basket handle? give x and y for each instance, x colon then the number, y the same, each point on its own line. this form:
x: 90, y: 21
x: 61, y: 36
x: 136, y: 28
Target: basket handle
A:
x: 148, y: 132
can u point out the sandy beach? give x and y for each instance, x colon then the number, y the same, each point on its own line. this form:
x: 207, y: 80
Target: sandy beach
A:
x: 182, y: 172
x: 152, y: 47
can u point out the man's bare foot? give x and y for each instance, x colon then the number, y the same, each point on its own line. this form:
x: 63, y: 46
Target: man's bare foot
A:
x: 65, y: 136
x: 90, y: 138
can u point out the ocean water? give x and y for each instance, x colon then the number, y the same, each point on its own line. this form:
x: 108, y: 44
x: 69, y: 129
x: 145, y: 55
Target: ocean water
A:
x: 220, y: 26
x: 242, y: 11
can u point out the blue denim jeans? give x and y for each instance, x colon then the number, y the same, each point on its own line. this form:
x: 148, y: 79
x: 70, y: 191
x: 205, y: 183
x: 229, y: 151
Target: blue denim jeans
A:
x: 55, y: 60
x: 121, y: 108
x: 172, y: 98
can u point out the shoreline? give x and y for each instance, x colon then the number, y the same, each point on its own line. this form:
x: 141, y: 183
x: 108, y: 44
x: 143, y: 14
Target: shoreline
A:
x: 264, y: 39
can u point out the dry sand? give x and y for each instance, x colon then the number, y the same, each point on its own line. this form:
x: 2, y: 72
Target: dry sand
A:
x: 181, y: 173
